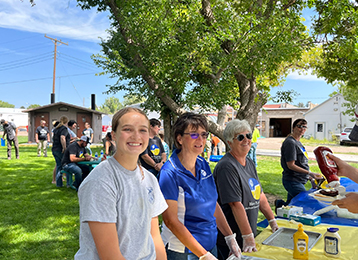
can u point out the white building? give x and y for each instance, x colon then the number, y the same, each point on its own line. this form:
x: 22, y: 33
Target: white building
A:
x: 14, y: 115
x: 327, y: 119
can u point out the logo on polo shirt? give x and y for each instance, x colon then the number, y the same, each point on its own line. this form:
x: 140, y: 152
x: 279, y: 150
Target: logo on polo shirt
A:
x: 255, y: 188
x: 203, y: 173
x: 150, y: 195
x: 154, y: 149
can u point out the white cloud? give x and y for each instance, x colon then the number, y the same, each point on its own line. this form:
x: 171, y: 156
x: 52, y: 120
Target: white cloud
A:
x: 308, y: 76
x: 54, y: 17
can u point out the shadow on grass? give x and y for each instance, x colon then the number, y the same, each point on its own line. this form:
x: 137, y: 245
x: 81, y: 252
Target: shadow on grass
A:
x: 37, y: 219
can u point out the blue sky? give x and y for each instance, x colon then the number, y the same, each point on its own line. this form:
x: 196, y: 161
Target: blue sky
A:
x: 26, y: 56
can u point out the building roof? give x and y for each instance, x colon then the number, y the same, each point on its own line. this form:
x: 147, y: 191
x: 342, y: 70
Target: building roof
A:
x: 272, y: 106
x: 63, y: 104
x: 313, y: 109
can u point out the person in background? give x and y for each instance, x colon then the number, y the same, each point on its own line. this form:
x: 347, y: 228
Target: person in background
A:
x: 76, y: 152
x: 154, y: 156
x: 110, y: 145
x: 214, y: 145
x: 165, y: 145
x: 54, y: 125
x: 193, y: 215
x: 252, y: 152
x: 10, y: 130
x: 61, y: 140
x: 207, y: 148
x: 120, y: 201
x: 294, y: 162
x: 72, y: 130
x: 42, y: 138
x: 239, y: 188
x: 88, y: 131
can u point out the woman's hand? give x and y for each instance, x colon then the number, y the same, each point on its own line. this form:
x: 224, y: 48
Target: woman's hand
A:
x: 233, y: 246
x: 273, y: 225
x: 249, y: 244
x: 315, y: 175
x: 350, y: 202
x: 207, y: 256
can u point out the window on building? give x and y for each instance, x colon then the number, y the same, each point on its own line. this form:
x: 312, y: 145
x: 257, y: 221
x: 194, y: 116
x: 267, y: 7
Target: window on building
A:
x: 319, y: 128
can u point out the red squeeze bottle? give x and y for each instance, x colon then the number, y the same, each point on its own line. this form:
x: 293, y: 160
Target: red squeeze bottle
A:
x: 327, y: 166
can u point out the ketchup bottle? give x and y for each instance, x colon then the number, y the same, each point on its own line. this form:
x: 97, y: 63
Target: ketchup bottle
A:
x: 327, y: 166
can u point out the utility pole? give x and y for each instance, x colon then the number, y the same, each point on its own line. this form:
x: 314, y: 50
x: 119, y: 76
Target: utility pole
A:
x: 56, y: 42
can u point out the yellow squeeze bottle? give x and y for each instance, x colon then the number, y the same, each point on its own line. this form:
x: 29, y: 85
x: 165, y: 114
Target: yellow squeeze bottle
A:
x: 300, y: 240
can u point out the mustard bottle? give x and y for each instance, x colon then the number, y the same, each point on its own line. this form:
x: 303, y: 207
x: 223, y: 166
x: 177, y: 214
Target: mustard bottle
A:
x: 300, y: 240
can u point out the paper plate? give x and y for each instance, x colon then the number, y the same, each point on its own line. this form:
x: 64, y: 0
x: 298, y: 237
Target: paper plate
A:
x: 323, y: 198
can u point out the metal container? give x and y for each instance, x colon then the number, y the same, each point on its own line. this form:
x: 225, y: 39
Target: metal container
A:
x: 283, y: 237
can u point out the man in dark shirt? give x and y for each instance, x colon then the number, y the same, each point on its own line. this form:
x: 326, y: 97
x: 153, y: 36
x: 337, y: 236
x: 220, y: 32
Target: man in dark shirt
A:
x: 42, y: 137
x: 10, y: 131
x: 76, y: 152
x: 154, y: 156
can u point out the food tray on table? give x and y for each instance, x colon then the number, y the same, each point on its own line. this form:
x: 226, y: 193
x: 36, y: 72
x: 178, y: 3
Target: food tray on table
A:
x: 323, y: 198
x: 283, y: 237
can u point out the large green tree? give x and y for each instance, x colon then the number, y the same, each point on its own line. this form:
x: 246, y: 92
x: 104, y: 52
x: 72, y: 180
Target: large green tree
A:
x: 33, y: 106
x: 182, y: 53
x: 111, y: 105
x: 6, y: 104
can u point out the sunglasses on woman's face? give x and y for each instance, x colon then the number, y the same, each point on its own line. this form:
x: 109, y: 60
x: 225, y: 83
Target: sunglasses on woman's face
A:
x: 196, y: 135
x: 302, y: 126
x: 242, y: 137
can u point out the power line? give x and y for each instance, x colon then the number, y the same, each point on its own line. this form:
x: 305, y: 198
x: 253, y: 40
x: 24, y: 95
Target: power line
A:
x: 10, y: 63
x: 28, y: 80
x: 72, y: 83
x: 25, y: 64
x: 26, y: 48
x: 60, y: 53
x: 75, y: 64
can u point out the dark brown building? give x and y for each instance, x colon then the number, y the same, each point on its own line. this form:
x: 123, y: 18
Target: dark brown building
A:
x: 53, y: 112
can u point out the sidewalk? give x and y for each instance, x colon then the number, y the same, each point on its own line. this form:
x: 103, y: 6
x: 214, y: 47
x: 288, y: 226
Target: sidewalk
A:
x: 277, y: 153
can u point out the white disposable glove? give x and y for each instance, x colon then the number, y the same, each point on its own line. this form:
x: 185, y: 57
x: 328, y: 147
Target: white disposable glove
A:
x: 273, y: 225
x: 249, y: 245
x: 208, y: 256
x: 233, y: 246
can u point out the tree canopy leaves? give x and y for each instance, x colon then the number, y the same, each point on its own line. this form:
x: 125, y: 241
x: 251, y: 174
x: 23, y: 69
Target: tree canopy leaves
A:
x: 6, y: 104
x: 183, y: 53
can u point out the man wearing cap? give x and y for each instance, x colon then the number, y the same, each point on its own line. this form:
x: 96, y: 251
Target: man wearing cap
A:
x: 252, y: 153
x: 76, y: 152
x: 10, y: 131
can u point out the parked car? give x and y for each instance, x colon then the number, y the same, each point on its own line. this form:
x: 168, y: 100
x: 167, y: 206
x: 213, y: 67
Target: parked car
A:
x: 344, y: 138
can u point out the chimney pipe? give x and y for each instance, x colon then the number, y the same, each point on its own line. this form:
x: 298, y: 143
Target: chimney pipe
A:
x: 52, y: 98
x: 93, y: 101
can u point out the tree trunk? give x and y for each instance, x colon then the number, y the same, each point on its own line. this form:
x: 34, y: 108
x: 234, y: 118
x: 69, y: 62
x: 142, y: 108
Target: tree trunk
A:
x: 167, y: 125
x: 251, y: 100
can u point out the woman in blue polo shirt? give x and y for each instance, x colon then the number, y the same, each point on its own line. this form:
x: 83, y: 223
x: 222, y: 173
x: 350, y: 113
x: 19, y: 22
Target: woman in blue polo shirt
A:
x: 193, y: 214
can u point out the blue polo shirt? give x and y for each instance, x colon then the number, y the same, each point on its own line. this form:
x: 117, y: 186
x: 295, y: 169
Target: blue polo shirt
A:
x: 196, y: 197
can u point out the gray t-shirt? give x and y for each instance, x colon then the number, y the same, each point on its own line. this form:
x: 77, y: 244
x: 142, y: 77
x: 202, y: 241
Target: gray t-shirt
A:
x: 10, y: 130
x: 113, y: 194
x: 235, y: 182
x: 88, y: 132
x: 293, y: 150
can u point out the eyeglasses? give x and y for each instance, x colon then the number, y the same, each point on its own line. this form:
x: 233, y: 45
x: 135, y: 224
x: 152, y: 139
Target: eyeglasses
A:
x: 302, y: 126
x: 196, y: 135
x: 242, y: 137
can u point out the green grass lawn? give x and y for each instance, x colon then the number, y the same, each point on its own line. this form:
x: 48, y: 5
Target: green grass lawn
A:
x: 40, y: 221
x: 37, y: 219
